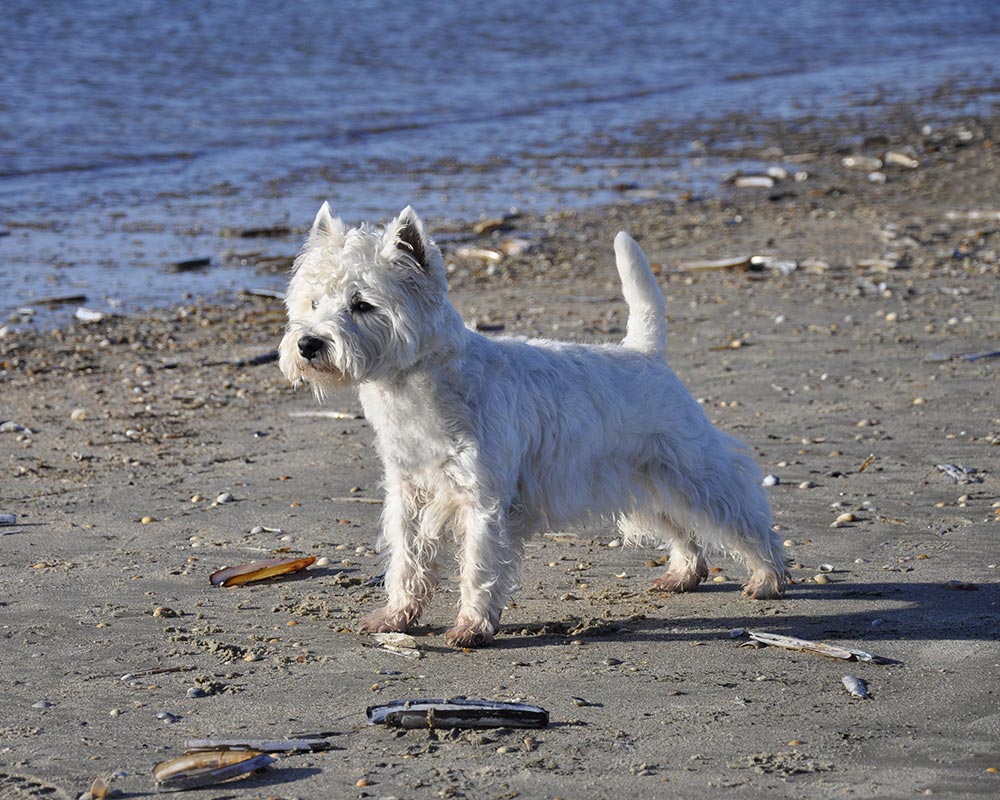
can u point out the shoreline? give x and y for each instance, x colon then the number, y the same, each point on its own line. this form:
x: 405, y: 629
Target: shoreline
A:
x: 132, y: 258
x: 854, y: 353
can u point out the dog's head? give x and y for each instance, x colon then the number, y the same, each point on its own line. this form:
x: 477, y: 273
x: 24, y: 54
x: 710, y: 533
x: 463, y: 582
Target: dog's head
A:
x: 364, y: 303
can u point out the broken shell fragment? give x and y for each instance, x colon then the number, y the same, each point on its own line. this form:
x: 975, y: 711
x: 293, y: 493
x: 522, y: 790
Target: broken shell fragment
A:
x: 302, y: 745
x: 193, y: 770
x: 855, y: 686
x: 457, y: 713
x: 737, y: 262
x: 258, y: 570
x: 402, y: 644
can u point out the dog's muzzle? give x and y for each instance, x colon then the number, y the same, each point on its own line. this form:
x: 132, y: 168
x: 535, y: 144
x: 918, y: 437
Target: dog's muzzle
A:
x: 310, y: 347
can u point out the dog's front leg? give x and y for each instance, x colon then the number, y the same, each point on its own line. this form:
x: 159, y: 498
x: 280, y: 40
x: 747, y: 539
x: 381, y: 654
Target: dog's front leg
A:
x: 490, y: 566
x: 413, y: 540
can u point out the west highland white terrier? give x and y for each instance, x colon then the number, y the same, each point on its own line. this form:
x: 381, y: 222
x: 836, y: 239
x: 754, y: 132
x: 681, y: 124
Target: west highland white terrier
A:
x: 494, y: 439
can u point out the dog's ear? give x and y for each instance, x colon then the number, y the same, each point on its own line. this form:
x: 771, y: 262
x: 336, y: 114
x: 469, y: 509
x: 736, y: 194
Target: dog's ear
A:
x: 326, y: 224
x: 406, y: 233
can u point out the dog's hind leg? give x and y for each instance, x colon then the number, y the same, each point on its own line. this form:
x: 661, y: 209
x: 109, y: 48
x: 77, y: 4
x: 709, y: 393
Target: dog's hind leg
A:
x: 687, y: 561
x: 762, y: 551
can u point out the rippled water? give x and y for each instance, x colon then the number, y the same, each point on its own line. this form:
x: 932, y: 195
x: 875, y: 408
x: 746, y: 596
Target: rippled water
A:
x: 132, y: 133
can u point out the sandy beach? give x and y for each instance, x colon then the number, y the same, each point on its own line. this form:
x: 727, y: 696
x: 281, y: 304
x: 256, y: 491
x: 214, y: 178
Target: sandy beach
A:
x: 852, y: 354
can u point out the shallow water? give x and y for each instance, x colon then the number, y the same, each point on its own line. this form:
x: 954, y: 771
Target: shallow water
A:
x: 132, y: 135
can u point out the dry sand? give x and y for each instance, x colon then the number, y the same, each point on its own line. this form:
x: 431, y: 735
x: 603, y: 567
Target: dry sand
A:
x: 847, y: 361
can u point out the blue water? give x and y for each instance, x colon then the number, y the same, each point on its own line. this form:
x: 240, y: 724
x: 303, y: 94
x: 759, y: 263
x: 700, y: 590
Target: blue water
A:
x: 133, y: 132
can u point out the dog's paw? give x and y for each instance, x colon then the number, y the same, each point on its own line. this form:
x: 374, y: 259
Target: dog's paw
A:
x: 468, y: 636
x: 686, y: 581
x: 765, y: 586
x: 382, y: 621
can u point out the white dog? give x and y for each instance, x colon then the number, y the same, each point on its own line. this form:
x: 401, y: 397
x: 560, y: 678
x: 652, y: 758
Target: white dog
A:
x: 495, y: 439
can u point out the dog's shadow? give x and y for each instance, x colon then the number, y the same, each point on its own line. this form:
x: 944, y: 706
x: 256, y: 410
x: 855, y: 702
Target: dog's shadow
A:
x: 909, y: 611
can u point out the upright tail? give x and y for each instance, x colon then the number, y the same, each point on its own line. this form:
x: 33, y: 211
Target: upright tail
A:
x: 647, y: 329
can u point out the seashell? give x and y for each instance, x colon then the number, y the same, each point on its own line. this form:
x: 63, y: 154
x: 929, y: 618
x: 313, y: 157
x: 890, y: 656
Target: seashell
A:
x: 736, y: 262
x: 855, y: 686
x: 479, y: 252
x: 826, y: 567
x: 753, y: 182
x: 862, y: 162
x: 98, y: 788
x: 88, y: 315
x: 402, y: 644
x: 258, y: 570
x: 898, y: 159
x: 457, y: 713
x: 805, y: 645
x: 207, y: 767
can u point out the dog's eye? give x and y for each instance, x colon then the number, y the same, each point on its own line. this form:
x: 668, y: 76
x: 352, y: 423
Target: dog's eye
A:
x: 359, y: 306
x: 314, y: 304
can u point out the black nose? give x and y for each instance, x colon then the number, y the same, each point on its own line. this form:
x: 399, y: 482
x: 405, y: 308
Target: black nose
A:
x: 310, y: 346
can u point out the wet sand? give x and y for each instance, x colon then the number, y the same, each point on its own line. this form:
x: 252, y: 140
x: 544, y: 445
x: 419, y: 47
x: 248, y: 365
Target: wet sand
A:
x: 845, y: 376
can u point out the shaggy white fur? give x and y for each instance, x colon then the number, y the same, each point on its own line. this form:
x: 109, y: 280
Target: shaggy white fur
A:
x: 494, y: 439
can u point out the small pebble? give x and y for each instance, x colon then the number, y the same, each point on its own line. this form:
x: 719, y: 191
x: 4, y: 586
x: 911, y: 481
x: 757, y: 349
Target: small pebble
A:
x: 846, y: 517
x: 196, y: 691
x: 807, y: 485
x: 719, y: 579
x: 165, y: 612
x: 197, y: 498
x: 78, y: 414
x: 147, y: 520
x: 615, y: 543
x: 42, y: 704
x: 771, y: 480
x: 788, y: 543
x: 322, y: 561
x: 166, y: 716
x: 225, y: 497
x: 821, y: 578
x: 363, y: 782
x: 115, y: 712
x: 252, y: 657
